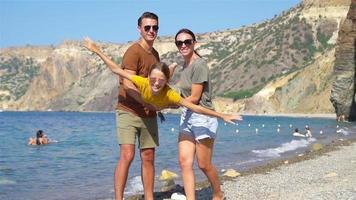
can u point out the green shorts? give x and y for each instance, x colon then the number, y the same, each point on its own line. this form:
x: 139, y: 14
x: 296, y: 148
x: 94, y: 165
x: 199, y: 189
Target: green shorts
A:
x: 130, y: 126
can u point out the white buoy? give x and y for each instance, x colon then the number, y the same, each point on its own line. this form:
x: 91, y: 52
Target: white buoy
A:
x: 237, y: 131
x: 278, y: 130
x: 249, y: 125
x: 337, y: 126
x: 225, y: 123
x: 290, y: 125
x: 256, y: 130
x: 321, y: 132
x: 263, y: 125
x: 279, y: 125
x: 172, y: 129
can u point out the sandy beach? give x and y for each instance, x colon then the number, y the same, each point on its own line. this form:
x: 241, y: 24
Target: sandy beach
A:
x: 329, y: 173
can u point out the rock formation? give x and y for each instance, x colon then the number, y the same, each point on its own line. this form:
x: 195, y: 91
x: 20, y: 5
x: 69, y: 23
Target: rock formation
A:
x: 343, y: 91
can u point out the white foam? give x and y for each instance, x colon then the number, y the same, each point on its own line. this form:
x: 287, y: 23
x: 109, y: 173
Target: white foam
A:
x: 135, y: 185
x: 342, y: 131
x: 52, y: 141
x: 4, y: 181
x: 285, y: 147
x: 250, y: 161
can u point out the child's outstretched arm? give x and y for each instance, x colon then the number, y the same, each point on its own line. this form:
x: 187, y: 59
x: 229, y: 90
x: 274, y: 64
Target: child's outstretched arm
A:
x: 200, y: 109
x: 91, y: 46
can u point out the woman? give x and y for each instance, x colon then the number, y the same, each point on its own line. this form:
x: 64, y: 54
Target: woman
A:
x: 39, y: 140
x: 154, y: 89
x: 197, y: 132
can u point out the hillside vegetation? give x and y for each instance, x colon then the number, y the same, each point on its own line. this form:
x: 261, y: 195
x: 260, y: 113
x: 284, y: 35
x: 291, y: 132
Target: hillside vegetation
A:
x: 279, y: 65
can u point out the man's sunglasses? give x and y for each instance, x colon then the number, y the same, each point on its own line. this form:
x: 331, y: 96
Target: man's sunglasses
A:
x: 186, y: 42
x: 148, y: 28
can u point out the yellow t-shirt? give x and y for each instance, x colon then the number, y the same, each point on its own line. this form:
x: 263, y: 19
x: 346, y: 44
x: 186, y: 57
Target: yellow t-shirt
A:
x: 167, y: 96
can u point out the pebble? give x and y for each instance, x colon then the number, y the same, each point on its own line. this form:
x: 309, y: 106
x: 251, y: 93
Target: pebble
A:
x: 287, y: 181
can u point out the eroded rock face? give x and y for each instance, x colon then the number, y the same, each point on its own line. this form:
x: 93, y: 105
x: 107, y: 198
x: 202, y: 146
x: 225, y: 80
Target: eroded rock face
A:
x: 343, y: 91
x: 323, y: 3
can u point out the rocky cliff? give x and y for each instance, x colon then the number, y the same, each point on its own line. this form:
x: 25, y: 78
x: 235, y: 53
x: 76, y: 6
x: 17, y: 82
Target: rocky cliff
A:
x: 279, y: 65
x: 343, y: 90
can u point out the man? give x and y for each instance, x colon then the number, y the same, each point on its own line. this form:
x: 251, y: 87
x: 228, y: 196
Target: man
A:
x: 134, y: 118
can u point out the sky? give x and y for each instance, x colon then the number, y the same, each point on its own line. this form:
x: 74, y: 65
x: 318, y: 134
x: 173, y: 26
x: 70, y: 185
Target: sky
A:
x: 50, y: 22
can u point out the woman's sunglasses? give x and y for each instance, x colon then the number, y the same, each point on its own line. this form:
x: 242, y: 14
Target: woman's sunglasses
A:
x: 148, y: 28
x: 187, y: 42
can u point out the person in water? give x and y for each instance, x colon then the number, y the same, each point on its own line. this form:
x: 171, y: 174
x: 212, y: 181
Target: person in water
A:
x: 154, y: 89
x: 297, y: 134
x: 308, y: 132
x: 40, y: 139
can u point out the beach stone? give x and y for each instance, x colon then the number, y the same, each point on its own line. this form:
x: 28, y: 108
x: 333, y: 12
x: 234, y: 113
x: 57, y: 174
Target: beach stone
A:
x: 178, y: 196
x: 231, y: 173
x: 286, y: 162
x: 330, y: 175
x: 168, y: 185
x: 166, y: 175
x: 317, y: 147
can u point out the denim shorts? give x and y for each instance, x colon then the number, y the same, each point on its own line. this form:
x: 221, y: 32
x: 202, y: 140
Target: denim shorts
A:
x: 197, y: 125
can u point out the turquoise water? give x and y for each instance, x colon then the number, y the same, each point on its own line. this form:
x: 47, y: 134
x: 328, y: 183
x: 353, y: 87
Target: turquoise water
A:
x: 80, y: 162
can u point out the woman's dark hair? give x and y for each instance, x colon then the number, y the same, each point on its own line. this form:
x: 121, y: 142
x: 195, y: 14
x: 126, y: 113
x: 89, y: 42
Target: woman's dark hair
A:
x: 187, y: 31
x: 39, y: 135
x: 149, y: 15
x: 161, y: 66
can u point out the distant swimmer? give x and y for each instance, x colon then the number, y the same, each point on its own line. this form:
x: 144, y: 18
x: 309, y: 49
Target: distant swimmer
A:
x: 40, y: 139
x: 297, y: 134
x: 308, y: 132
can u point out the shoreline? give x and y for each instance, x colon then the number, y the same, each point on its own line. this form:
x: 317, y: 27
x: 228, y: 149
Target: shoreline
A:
x: 232, y: 186
x: 328, y: 173
x: 305, y: 115
x: 176, y: 111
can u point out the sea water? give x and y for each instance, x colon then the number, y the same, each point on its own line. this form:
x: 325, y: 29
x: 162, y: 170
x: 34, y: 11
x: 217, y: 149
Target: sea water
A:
x: 79, y: 162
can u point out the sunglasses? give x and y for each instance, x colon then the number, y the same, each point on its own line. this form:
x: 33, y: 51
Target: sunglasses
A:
x: 148, y: 28
x: 187, y: 42
x: 154, y: 80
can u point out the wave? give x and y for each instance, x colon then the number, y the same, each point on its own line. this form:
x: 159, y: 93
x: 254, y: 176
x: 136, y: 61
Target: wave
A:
x: 4, y: 181
x: 52, y: 141
x: 343, y: 131
x: 285, y: 147
x: 135, y: 185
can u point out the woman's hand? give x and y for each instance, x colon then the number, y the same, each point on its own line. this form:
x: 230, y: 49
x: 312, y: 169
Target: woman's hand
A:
x: 231, y: 118
x: 90, y: 45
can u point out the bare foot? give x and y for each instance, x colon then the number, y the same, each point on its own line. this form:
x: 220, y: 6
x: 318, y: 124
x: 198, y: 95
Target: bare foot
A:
x: 219, y: 196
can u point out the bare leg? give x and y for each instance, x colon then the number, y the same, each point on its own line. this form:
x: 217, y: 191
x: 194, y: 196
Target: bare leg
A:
x: 127, y: 153
x: 204, y: 152
x: 148, y: 171
x: 186, y: 152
